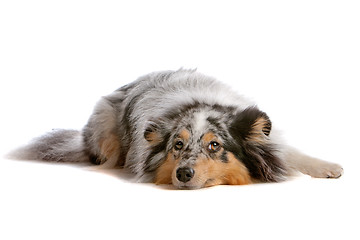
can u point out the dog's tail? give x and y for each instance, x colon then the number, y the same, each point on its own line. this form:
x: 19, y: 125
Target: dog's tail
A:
x: 57, y: 146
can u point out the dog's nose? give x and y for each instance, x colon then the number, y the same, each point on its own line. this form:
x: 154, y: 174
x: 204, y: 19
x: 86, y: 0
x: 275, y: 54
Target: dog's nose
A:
x: 185, y: 174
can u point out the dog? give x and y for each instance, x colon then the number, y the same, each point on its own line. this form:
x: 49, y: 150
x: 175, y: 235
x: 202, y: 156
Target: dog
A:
x: 181, y: 128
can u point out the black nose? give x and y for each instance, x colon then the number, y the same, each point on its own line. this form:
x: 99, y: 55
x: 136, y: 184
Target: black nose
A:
x: 185, y: 174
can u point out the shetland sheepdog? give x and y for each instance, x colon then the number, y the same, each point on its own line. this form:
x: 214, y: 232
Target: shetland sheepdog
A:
x: 181, y: 128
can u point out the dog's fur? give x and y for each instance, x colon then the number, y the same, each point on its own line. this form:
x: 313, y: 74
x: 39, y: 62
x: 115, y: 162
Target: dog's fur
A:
x: 181, y: 128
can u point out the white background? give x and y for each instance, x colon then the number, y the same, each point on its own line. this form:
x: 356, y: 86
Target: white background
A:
x: 300, y: 60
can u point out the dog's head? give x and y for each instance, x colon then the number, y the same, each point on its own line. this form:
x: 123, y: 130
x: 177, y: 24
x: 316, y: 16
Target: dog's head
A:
x: 202, y: 146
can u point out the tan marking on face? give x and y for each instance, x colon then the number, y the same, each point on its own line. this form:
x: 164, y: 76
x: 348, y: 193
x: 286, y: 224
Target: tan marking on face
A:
x: 110, y: 149
x: 236, y: 172
x: 211, y: 172
x: 164, y: 172
x: 184, y: 134
x: 208, y: 137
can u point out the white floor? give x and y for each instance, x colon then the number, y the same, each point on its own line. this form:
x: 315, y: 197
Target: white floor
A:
x: 49, y: 201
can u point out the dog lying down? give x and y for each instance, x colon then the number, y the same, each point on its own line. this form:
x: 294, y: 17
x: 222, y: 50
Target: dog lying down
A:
x: 182, y: 128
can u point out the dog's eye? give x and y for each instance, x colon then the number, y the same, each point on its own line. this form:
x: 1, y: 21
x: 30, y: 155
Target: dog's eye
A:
x: 214, y: 146
x: 179, y: 145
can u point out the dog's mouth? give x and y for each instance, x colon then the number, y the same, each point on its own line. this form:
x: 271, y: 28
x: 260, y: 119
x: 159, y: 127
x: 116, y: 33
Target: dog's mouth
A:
x: 190, y: 185
x: 193, y: 185
x: 187, y: 187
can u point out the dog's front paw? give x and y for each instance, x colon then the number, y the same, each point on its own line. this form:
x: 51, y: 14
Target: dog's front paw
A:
x: 334, y: 171
x: 327, y: 170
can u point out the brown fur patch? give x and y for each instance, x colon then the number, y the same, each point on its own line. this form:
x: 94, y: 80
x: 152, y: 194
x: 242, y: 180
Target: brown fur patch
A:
x: 184, y: 134
x: 110, y: 149
x: 236, y: 172
x: 164, y: 172
x: 259, y: 128
x: 153, y: 137
x: 208, y: 137
x: 214, y: 172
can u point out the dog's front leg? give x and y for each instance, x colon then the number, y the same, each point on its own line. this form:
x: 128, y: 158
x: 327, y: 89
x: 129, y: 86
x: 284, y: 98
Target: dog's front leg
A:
x: 314, y: 167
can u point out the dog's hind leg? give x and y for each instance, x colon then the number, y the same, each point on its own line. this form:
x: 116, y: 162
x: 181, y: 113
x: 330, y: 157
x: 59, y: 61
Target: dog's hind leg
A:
x: 314, y: 167
x: 101, y: 136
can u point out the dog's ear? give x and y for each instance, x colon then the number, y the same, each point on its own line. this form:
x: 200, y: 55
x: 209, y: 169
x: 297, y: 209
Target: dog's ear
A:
x: 157, y: 137
x: 250, y: 130
x: 251, y: 125
x: 153, y: 133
